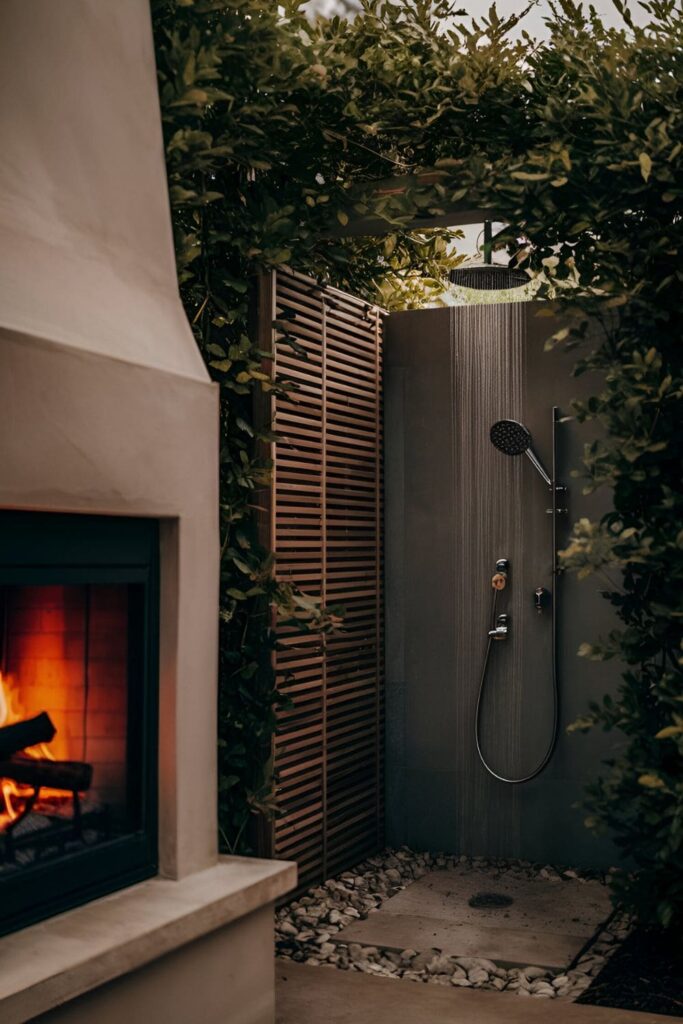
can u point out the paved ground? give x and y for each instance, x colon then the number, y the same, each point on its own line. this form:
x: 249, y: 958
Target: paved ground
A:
x: 320, y: 995
x: 546, y: 923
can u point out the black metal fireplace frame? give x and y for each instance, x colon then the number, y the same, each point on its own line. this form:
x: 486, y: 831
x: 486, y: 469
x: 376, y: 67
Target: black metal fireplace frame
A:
x: 49, y: 548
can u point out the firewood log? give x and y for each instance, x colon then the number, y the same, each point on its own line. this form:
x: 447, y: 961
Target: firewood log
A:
x: 73, y: 776
x: 26, y: 734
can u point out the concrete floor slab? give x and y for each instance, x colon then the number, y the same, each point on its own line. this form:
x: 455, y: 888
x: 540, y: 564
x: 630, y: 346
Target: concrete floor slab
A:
x: 546, y: 924
x: 309, y: 995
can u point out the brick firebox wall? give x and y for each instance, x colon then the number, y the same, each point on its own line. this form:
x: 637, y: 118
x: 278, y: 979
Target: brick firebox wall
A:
x: 47, y: 669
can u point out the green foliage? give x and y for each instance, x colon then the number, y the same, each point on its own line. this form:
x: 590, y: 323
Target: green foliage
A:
x: 275, y: 130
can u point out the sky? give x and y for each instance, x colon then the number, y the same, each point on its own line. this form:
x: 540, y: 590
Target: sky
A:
x: 533, y: 22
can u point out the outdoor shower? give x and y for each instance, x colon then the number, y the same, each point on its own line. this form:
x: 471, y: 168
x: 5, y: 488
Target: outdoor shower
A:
x: 513, y: 438
x: 455, y: 505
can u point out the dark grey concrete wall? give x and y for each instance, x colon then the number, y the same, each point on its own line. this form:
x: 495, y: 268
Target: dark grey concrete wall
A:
x: 453, y: 506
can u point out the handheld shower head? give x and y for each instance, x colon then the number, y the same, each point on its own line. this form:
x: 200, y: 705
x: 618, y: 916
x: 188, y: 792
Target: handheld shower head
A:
x: 513, y: 438
x: 510, y: 437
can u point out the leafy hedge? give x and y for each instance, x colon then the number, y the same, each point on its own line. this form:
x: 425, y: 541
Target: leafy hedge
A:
x: 275, y: 126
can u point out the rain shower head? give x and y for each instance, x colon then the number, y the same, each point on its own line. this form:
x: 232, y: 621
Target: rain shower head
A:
x: 513, y: 438
x: 488, y: 277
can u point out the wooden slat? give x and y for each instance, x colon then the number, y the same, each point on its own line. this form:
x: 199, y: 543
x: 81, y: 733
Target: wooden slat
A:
x: 325, y: 520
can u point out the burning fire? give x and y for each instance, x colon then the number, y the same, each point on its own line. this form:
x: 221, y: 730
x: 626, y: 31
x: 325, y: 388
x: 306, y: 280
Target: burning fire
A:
x: 14, y: 793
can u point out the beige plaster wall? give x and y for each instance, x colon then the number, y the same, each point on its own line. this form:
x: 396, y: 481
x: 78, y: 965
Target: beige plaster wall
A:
x: 86, y: 252
x: 226, y: 977
x: 106, y: 404
x: 83, y: 433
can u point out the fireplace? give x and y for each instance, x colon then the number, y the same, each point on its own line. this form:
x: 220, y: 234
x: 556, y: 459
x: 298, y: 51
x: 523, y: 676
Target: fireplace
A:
x: 111, y: 441
x: 78, y: 709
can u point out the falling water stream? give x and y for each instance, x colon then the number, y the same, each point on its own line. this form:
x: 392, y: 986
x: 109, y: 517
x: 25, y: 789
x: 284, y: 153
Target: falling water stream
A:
x: 487, y: 354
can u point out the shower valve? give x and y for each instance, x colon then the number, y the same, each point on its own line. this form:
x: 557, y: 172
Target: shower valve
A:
x: 500, y: 576
x: 500, y: 632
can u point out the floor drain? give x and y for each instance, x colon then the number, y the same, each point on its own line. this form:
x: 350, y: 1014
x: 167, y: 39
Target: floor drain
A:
x: 489, y: 900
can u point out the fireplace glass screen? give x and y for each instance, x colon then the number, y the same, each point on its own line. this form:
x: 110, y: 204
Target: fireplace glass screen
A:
x: 77, y: 721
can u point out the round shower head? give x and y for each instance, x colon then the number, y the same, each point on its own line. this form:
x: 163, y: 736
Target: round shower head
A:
x: 487, y: 276
x: 510, y: 437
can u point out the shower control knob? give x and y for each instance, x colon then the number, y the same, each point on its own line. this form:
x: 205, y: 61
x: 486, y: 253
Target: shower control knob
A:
x: 499, y: 580
x: 500, y: 576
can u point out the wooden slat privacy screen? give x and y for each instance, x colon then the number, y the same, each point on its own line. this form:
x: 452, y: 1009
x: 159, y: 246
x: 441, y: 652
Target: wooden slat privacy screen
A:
x: 324, y: 522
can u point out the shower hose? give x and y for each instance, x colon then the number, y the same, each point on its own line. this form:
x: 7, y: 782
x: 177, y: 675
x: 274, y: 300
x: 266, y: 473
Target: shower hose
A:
x: 556, y: 706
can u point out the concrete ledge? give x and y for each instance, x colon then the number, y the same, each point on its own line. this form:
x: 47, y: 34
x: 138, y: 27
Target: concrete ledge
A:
x: 59, y: 959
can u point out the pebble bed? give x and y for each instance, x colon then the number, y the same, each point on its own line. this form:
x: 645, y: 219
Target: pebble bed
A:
x: 306, y: 929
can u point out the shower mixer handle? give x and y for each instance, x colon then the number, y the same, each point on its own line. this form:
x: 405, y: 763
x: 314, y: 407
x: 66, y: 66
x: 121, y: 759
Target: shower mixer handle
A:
x: 500, y: 631
x: 500, y: 576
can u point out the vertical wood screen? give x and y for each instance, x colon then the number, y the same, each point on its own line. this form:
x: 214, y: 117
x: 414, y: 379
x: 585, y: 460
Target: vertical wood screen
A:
x: 325, y: 525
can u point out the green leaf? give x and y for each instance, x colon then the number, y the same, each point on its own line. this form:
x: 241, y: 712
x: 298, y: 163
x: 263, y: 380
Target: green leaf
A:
x: 651, y: 781
x: 243, y: 425
x: 530, y: 175
x: 669, y: 732
x: 193, y: 97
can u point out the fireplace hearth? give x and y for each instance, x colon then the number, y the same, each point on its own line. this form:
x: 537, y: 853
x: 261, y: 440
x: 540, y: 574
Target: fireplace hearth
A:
x: 78, y: 709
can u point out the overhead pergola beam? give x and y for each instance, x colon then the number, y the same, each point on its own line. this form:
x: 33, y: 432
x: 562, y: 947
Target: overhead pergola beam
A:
x: 451, y: 214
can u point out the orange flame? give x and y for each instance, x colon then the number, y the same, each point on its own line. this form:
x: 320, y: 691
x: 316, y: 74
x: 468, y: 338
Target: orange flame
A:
x: 14, y: 793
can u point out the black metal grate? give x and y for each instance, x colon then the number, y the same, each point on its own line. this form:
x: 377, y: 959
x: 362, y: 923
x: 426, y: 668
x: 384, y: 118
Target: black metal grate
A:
x: 490, y: 901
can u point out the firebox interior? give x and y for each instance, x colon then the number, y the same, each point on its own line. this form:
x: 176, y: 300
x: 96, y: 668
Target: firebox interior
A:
x: 78, y: 692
